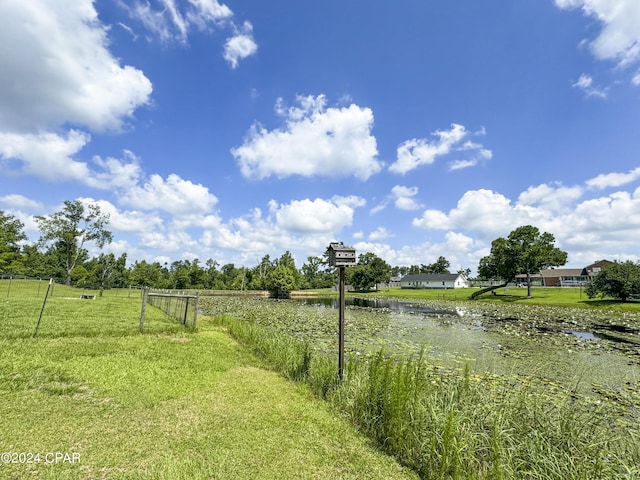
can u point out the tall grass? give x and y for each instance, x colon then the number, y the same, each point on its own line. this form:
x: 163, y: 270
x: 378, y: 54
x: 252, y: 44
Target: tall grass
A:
x: 453, y: 424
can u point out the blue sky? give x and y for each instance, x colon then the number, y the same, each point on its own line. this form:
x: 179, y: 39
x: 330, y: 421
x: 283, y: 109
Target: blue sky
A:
x: 411, y: 129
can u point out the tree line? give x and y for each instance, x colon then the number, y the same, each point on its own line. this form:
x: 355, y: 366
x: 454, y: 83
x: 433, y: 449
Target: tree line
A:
x: 61, y: 253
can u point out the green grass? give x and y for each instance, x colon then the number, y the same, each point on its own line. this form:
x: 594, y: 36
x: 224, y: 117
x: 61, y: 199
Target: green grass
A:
x: 168, y: 404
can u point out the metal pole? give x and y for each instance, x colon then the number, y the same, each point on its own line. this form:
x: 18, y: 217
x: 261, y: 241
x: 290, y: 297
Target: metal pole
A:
x: 44, y: 302
x: 341, y: 327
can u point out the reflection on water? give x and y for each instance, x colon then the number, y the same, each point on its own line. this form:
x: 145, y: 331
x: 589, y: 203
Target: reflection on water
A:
x: 402, y: 327
x: 456, y: 335
x: 392, y: 304
x: 584, y: 335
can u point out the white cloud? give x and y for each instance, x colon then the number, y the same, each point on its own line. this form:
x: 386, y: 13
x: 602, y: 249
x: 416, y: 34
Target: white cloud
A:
x: 379, y: 233
x: 553, y: 198
x: 46, y: 155
x: 403, y: 197
x: 59, y: 69
x: 619, y: 39
x: 128, y: 220
x: 460, y: 164
x: 488, y: 213
x: 240, y: 46
x: 173, y: 20
x: 114, y: 173
x: 416, y: 152
x: 315, y: 141
x: 606, y: 180
x: 460, y: 250
x: 311, y: 216
x: 352, y: 201
x: 602, y: 227
x: 205, y: 12
x: 175, y: 195
x: 57, y: 72
x: 585, y: 83
x: 19, y: 202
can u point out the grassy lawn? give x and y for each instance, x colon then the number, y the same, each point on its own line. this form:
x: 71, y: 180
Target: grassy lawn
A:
x: 166, y: 404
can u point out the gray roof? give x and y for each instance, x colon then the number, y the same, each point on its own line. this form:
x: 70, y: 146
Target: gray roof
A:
x: 430, y: 277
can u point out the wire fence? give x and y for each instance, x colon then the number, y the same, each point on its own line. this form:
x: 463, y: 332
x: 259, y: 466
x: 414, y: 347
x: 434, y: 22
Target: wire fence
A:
x: 178, y: 305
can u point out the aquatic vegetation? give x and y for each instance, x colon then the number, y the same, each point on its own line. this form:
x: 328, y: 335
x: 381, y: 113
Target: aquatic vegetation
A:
x: 442, y: 414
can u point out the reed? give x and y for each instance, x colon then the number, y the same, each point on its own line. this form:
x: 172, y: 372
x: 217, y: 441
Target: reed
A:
x: 449, y: 423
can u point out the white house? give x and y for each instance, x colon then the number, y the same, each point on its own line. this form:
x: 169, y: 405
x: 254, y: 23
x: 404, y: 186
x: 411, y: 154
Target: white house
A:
x: 434, y: 280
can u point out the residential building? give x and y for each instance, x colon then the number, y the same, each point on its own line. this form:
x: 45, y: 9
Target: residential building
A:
x: 434, y: 280
x: 564, y: 277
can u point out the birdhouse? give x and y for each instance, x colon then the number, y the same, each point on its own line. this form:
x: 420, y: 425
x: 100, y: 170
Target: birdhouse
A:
x: 341, y: 255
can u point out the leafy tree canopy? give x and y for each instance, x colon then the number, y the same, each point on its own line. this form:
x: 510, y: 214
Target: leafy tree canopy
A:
x: 526, y: 251
x: 71, y: 228
x: 368, y: 272
x: 11, y: 235
x: 617, y: 280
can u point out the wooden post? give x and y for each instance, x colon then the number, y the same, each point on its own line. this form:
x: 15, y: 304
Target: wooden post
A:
x: 186, y: 307
x: 144, y: 306
x: 341, y: 327
x: 195, y: 310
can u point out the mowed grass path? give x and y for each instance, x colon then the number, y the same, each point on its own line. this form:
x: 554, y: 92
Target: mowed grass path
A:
x: 166, y: 404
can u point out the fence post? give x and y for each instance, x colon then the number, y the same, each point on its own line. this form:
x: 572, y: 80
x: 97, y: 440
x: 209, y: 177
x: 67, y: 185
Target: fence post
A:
x: 186, y: 308
x: 195, y: 310
x: 42, y: 309
x: 144, y: 306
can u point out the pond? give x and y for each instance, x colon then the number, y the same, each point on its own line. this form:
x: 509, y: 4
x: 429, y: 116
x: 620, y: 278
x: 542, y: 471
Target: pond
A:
x: 573, y: 346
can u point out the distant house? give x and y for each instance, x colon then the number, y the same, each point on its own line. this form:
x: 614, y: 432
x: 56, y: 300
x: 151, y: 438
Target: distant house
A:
x: 434, y: 280
x: 564, y: 277
x: 393, y: 282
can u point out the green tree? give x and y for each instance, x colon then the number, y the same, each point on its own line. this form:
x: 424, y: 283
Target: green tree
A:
x: 197, y: 274
x: 619, y: 280
x: 380, y: 269
x: 261, y: 274
x: 103, y: 271
x: 281, y: 281
x: 315, y: 273
x: 368, y: 272
x: 439, y: 266
x: 213, y: 280
x: 179, y: 275
x: 71, y: 228
x: 525, y: 250
x: 11, y: 234
x: 149, y: 275
x: 35, y: 262
x: 360, y: 277
x: 284, y: 276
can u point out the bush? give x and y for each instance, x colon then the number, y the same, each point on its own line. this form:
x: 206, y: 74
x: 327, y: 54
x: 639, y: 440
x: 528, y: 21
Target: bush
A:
x: 617, y: 280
